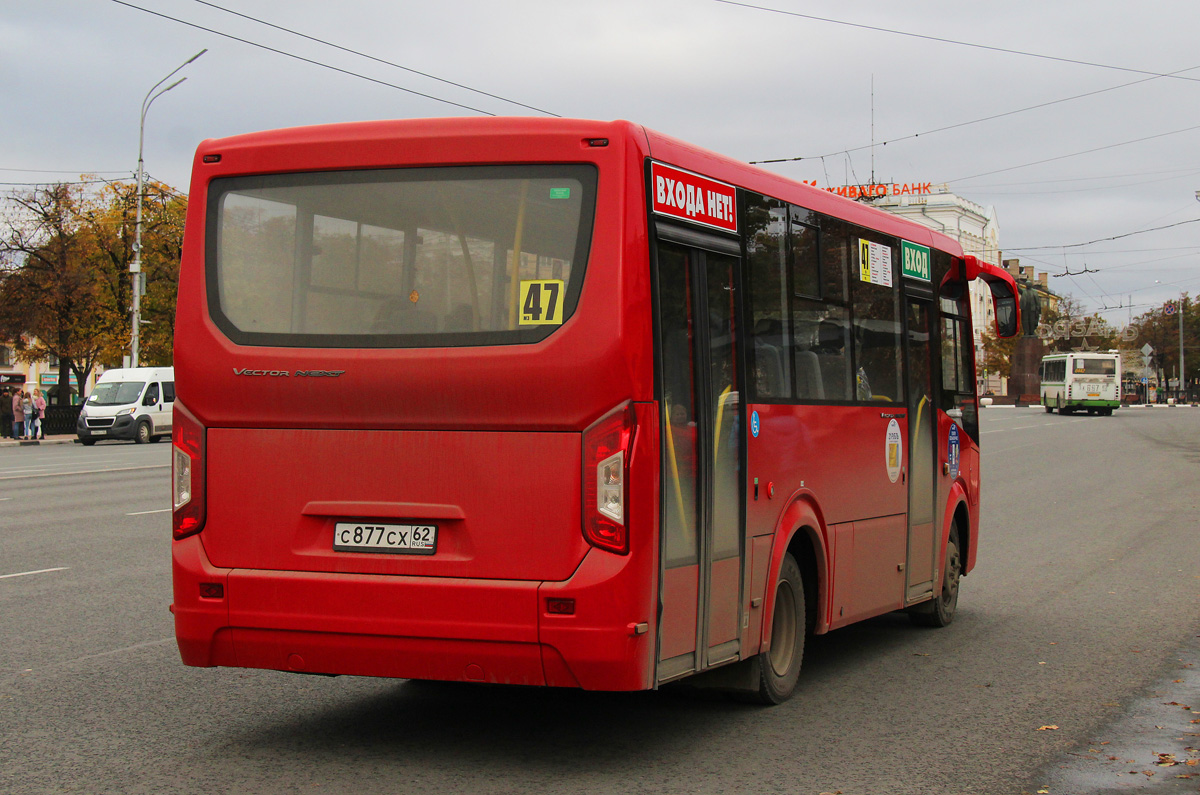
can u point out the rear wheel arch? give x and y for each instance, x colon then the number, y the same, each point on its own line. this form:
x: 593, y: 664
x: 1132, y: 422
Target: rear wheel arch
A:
x: 801, y: 532
x: 962, y: 518
x: 803, y: 547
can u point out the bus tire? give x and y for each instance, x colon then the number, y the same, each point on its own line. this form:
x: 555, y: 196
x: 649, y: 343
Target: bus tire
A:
x: 1049, y: 408
x: 1062, y: 410
x: 779, y: 667
x: 939, y: 611
x: 142, y: 434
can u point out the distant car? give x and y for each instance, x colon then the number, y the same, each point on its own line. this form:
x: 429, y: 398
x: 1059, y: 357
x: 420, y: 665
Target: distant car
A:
x: 132, y: 403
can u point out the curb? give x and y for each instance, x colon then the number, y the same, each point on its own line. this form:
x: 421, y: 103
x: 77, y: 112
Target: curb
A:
x: 37, y: 442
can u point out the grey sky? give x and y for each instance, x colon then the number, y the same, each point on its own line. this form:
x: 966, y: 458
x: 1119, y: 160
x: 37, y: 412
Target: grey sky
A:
x: 749, y: 83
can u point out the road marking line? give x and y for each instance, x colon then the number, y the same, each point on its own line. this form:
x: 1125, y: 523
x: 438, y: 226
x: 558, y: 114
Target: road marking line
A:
x: 39, y: 571
x: 134, y: 647
x: 84, y: 472
x: 142, y: 513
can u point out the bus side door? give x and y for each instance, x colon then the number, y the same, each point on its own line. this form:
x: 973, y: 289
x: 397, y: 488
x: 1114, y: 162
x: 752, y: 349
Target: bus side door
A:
x: 702, y: 533
x: 922, y: 448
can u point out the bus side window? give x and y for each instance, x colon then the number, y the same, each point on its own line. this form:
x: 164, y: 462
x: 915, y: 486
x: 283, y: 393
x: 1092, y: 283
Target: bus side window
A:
x: 958, y: 375
x: 877, y: 338
x: 766, y: 267
x: 832, y: 331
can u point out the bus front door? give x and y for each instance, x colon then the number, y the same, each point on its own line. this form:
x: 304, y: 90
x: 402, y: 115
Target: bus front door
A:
x: 701, y: 543
x: 922, y: 431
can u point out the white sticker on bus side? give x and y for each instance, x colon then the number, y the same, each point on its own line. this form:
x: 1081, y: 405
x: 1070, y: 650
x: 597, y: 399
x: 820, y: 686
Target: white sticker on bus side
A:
x: 893, y: 450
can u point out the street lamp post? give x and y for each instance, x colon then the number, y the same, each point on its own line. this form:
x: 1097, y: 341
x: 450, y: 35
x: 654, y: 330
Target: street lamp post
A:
x: 135, y: 267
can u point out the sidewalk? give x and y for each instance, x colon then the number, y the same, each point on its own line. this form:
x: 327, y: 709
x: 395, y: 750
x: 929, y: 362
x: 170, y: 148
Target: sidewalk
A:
x: 59, y: 438
x: 1123, y: 405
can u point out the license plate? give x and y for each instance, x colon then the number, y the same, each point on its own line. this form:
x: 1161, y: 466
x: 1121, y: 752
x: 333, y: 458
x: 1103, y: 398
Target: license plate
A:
x: 1093, y: 394
x: 100, y: 432
x: 400, y: 539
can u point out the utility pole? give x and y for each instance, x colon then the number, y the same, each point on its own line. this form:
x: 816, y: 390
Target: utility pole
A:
x: 1182, y: 377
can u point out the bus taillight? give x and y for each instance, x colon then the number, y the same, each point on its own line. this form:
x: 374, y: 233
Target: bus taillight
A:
x: 606, y: 449
x: 187, y: 474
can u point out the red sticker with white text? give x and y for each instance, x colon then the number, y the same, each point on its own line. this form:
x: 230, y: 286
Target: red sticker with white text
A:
x: 691, y: 197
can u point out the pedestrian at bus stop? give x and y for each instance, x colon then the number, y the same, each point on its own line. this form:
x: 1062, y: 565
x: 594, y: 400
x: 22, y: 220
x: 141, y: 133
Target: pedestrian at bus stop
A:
x: 18, y: 416
x: 6, y: 415
x: 30, y: 412
x: 39, y: 419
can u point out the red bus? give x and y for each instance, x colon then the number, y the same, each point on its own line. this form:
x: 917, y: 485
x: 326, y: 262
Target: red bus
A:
x: 558, y: 402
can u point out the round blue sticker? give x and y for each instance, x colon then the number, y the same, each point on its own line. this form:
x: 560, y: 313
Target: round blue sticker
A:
x: 754, y: 423
x: 952, y: 450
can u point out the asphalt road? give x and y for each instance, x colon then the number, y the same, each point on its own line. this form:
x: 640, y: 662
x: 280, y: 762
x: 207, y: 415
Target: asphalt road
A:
x: 1082, y: 614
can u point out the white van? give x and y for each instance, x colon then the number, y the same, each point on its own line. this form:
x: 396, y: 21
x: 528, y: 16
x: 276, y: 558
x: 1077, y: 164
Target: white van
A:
x: 131, y: 403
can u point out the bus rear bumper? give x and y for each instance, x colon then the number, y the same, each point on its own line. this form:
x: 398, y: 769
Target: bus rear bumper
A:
x: 493, y: 631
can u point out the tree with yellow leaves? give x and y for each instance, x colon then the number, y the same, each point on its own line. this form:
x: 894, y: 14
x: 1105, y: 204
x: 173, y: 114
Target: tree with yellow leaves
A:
x: 65, y: 286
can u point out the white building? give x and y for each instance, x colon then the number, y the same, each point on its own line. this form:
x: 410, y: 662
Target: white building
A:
x: 41, y: 375
x: 976, y: 230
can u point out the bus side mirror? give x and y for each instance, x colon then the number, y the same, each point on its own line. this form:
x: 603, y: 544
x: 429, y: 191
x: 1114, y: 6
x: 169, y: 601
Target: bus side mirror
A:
x: 1005, y: 300
x: 1005, y: 304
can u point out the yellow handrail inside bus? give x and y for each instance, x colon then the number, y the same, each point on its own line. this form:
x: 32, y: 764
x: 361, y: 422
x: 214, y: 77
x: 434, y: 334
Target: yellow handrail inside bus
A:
x: 920, y: 414
x: 470, y: 265
x: 721, y: 401
x: 675, y: 469
x: 514, y: 288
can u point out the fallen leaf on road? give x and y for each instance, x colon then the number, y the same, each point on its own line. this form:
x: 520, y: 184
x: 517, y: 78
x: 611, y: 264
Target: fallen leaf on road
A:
x: 1051, y: 727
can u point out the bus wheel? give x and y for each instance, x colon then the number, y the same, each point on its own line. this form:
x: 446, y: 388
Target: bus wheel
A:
x: 143, y: 432
x: 940, y: 611
x: 779, y: 668
x: 1062, y: 410
x: 1049, y: 408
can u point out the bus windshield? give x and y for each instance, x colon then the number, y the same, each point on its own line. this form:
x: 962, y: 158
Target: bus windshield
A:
x: 399, y: 257
x: 1095, y: 366
x: 116, y: 393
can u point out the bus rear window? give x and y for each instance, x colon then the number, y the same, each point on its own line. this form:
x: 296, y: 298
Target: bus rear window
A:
x: 488, y: 255
x: 1095, y: 366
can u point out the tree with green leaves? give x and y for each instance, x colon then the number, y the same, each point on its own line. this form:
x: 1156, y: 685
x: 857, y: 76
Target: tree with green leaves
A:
x: 1161, y: 329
